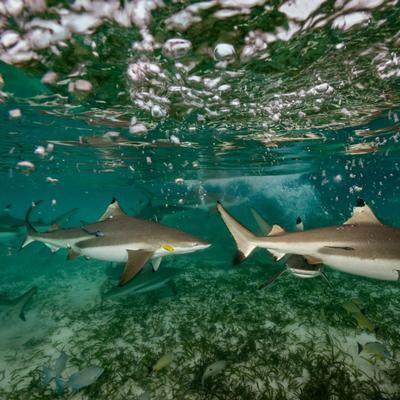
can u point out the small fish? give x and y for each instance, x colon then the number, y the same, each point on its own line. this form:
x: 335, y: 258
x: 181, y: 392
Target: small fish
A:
x: 353, y: 306
x: 84, y: 377
x: 213, y: 370
x: 363, y: 322
x: 55, y: 373
x: 163, y: 362
x: 376, y: 350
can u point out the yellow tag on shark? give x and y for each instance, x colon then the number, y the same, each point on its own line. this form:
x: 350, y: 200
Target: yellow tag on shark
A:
x: 167, y: 247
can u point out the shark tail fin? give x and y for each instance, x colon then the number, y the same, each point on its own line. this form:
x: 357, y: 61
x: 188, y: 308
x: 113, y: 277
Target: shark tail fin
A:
x: 29, y: 227
x: 60, y: 386
x: 46, y: 376
x: 243, y: 237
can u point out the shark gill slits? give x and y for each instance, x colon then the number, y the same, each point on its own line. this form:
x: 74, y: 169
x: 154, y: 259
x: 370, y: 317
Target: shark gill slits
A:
x: 96, y: 233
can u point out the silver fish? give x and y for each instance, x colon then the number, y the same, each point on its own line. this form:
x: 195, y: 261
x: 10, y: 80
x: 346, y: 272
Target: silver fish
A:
x: 213, y: 370
x: 84, y: 377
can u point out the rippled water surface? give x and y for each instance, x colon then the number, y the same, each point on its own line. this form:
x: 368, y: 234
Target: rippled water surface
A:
x: 290, y: 108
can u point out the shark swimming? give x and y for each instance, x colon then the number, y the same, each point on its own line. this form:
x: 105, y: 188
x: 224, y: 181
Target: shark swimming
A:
x: 116, y: 237
x: 18, y: 305
x: 11, y: 227
x: 146, y: 282
x: 361, y: 246
x: 295, y: 264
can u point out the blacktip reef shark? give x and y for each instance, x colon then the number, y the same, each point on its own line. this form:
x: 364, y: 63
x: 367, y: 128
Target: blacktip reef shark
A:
x: 18, y: 305
x: 146, y: 282
x: 11, y: 227
x: 361, y: 246
x: 117, y: 237
x: 295, y: 264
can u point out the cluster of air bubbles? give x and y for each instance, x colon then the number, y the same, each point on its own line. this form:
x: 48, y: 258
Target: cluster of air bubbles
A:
x: 82, y: 17
x: 155, y: 88
x: 174, y: 74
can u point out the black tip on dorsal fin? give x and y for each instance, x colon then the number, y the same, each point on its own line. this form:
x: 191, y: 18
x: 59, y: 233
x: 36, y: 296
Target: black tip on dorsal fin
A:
x: 298, y: 220
x: 218, y: 202
x: 360, y: 203
x: 114, y: 200
x: 359, y: 347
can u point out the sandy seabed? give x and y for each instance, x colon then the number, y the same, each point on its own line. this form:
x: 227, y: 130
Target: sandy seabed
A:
x: 293, y: 340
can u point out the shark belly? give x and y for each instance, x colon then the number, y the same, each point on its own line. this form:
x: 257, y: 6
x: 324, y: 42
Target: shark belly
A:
x: 117, y: 253
x: 383, y: 269
x: 113, y: 253
x: 305, y: 273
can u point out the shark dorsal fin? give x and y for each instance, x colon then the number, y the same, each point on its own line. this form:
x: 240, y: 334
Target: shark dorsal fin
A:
x: 362, y: 214
x: 113, y: 210
x: 276, y: 230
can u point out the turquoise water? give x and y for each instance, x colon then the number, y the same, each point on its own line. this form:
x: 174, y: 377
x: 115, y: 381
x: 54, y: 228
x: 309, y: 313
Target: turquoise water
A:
x: 288, y: 108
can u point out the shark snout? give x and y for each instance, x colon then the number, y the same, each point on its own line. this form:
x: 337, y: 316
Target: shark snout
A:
x: 191, y: 246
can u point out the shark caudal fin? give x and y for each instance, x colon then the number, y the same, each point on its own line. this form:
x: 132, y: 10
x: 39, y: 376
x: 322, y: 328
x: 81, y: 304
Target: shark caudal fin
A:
x: 243, y: 237
x: 31, y: 231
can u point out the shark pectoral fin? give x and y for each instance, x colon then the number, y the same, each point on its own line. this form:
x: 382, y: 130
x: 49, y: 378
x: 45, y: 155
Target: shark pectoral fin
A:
x: 272, y: 279
x: 312, y: 260
x: 28, y: 240
x: 362, y: 214
x: 277, y: 256
x: 156, y: 261
x: 136, y: 261
x: 326, y: 279
x: 53, y: 249
x: 72, y: 254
